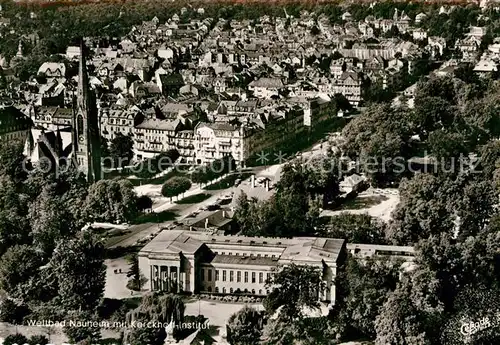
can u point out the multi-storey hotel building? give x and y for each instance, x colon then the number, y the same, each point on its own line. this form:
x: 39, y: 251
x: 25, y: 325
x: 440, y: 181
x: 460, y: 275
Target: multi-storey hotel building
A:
x: 200, y: 262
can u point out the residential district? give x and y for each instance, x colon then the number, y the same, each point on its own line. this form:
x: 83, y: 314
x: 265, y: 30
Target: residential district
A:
x: 271, y: 250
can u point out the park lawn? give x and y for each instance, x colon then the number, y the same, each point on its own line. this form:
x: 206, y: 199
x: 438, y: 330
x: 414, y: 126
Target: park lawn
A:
x: 194, y: 199
x: 228, y: 181
x: 162, y: 179
x: 109, y: 174
x: 292, y: 146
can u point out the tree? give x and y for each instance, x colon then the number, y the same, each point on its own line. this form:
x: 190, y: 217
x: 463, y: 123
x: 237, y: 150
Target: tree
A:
x: 448, y: 283
x: 362, y: 289
x: 136, y: 279
x: 482, y: 118
x: 308, y: 331
x: 241, y: 213
x: 475, y: 207
x: 315, y: 30
x: 432, y: 113
x: 294, y: 209
x: 380, y: 139
x: 245, y: 327
x: 154, y: 307
x: 84, y: 331
x: 356, y: 228
x: 410, y: 315
x: 175, y: 186
x: 78, y: 264
x: 121, y: 150
x: 489, y: 159
x: 38, y: 340
x: 423, y: 210
x: 293, y: 288
x: 111, y: 201
x: 20, y: 281
x: 447, y: 147
x: 104, y: 150
x: 15, y: 339
x: 50, y: 220
x: 12, y: 161
x: 14, y: 225
x: 12, y: 311
x: 144, y: 202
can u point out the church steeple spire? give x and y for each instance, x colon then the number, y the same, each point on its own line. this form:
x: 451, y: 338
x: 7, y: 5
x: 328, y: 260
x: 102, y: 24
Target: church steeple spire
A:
x: 82, y: 73
x: 86, y: 134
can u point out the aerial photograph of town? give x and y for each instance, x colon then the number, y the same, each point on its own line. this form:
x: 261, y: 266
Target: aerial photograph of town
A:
x: 249, y: 172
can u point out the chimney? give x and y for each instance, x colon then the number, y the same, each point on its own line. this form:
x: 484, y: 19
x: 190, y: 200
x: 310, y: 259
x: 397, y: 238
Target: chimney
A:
x: 190, y: 228
x: 206, y: 223
x: 223, y: 214
x: 267, y: 183
x: 253, y: 181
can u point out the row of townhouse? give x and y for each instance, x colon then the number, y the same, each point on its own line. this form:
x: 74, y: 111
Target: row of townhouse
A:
x: 238, y: 128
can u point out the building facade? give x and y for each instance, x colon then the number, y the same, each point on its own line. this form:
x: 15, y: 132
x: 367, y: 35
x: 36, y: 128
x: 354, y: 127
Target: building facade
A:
x: 14, y: 125
x: 217, y: 140
x: 200, y: 262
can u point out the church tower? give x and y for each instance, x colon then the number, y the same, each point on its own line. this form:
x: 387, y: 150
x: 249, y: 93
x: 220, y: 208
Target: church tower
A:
x: 86, y: 145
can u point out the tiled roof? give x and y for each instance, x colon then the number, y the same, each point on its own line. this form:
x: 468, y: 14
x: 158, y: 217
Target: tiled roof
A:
x: 297, y: 249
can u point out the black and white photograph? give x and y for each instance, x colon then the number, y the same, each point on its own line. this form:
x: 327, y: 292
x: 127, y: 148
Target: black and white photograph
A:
x: 249, y: 172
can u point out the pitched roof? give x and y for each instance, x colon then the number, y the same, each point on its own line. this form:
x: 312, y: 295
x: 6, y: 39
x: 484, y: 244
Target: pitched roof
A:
x: 267, y: 82
x: 296, y: 249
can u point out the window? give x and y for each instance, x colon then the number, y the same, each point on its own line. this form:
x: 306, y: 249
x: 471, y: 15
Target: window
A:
x: 223, y: 290
x: 246, y: 277
x: 237, y: 254
x: 223, y: 253
x: 260, y: 291
x: 209, y: 275
x: 261, y: 277
x: 223, y: 275
x: 202, y: 274
x: 231, y: 290
x: 231, y: 276
x: 209, y: 288
x: 216, y: 275
x: 268, y: 276
x: 238, y: 276
x: 253, y: 277
x: 217, y: 289
x: 253, y: 291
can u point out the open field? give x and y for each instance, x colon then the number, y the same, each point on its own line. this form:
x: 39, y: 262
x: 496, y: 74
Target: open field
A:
x: 375, y: 202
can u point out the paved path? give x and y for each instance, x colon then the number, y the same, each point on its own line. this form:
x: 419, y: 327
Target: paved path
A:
x: 217, y: 313
x: 382, y: 210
